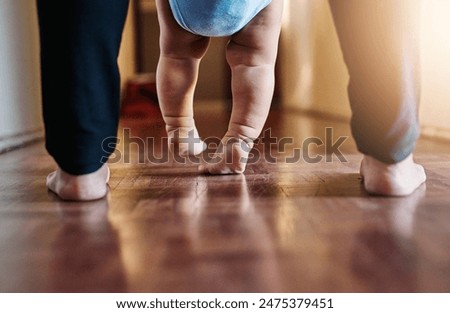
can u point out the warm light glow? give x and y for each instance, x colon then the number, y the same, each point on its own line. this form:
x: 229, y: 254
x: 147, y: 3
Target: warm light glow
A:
x: 434, y: 110
x: 436, y: 24
x: 435, y: 32
x: 286, y: 13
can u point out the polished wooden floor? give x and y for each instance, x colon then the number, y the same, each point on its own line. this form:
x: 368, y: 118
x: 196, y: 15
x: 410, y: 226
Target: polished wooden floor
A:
x: 281, y: 227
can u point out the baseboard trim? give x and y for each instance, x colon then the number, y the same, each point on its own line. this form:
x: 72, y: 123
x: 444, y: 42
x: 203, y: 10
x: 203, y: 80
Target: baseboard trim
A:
x: 9, y: 143
x: 428, y: 132
x: 436, y: 133
x: 318, y: 114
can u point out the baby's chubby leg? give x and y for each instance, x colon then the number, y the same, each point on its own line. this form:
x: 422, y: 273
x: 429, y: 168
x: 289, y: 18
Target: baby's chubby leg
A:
x: 251, y: 55
x: 177, y: 74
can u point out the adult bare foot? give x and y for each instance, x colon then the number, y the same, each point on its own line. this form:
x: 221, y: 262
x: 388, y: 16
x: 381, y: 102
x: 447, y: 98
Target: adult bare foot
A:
x: 79, y: 187
x: 398, y: 179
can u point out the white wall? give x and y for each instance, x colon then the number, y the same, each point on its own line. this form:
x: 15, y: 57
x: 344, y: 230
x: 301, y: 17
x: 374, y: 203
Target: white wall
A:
x: 20, y: 112
x: 435, y: 107
x: 315, y: 77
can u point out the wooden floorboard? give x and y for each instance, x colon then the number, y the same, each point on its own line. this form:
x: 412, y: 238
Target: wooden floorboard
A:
x: 281, y: 227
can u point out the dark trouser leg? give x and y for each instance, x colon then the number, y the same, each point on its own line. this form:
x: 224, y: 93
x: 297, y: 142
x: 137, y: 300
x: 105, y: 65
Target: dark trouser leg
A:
x: 379, y: 40
x: 80, y: 42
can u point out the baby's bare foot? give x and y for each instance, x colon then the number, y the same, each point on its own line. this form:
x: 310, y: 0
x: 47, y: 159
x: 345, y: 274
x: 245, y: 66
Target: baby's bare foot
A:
x: 184, y: 141
x: 230, y: 158
x: 79, y: 187
x: 398, y: 179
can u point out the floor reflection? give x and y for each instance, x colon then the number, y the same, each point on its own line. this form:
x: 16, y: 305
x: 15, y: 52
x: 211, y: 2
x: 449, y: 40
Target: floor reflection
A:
x: 205, y: 237
x: 283, y: 227
x: 387, y: 255
x: 85, y: 250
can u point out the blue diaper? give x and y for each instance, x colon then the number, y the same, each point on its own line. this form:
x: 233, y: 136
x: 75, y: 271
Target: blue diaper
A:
x: 215, y: 18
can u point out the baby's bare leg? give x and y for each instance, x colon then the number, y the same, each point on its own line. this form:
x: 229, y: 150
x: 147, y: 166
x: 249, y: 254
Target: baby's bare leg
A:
x: 177, y: 74
x: 251, y: 55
